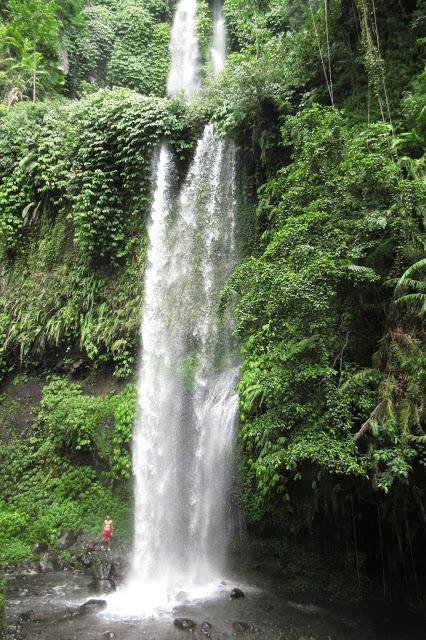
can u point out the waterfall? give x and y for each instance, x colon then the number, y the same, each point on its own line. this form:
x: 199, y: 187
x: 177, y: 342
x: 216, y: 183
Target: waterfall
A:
x: 183, y: 444
x: 218, y: 48
x: 183, y: 74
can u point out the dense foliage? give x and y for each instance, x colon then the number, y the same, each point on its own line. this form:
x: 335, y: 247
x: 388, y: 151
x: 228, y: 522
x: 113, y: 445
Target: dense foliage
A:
x: 82, y: 440
x: 326, y: 101
x: 331, y: 299
x: 74, y: 186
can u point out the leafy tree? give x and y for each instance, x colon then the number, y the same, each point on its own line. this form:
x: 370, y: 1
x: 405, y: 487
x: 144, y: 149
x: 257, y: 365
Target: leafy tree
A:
x: 33, y: 30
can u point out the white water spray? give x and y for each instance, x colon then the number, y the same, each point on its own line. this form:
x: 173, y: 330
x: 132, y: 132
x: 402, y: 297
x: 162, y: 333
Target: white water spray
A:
x: 183, y: 446
x: 218, y: 48
x: 183, y: 75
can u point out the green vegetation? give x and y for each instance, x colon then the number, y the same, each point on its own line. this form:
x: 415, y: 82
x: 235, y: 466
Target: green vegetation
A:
x: 326, y: 101
x: 74, y: 189
x: 331, y: 300
x: 70, y: 469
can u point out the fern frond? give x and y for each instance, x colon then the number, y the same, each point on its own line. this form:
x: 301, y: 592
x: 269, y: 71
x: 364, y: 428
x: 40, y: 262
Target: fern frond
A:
x: 415, y: 268
x: 363, y: 374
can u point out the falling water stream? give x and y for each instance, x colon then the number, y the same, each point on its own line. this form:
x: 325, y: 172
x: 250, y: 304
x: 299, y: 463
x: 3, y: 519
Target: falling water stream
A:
x: 185, y: 428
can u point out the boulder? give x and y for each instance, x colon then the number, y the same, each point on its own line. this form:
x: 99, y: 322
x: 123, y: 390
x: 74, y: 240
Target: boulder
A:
x: 102, y: 568
x: 103, y: 585
x: 205, y: 628
x: 25, y: 616
x: 86, y: 559
x: 94, y: 604
x: 49, y: 562
x: 67, y: 539
x: 236, y: 593
x: 186, y: 624
x: 240, y: 627
x: 84, y: 544
x: 109, y: 634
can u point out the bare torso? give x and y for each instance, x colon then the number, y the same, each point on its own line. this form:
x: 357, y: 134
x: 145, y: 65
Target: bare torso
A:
x: 108, y: 525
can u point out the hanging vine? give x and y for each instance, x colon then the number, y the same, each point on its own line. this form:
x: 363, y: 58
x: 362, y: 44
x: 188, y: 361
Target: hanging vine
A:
x: 326, y: 68
x: 373, y: 61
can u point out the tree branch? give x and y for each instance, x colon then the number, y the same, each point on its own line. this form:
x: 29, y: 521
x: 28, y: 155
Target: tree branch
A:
x: 366, y: 424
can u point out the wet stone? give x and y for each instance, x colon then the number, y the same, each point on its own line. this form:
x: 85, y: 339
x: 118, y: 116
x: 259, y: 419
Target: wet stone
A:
x: 109, y: 634
x: 26, y: 616
x: 205, y: 628
x: 236, y: 593
x: 103, y: 585
x: 92, y: 605
x: 49, y: 562
x: 86, y: 560
x: 67, y: 539
x: 186, y: 624
x: 240, y: 627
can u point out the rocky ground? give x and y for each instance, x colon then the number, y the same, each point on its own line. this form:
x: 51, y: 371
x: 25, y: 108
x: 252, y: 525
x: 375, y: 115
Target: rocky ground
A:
x: 53, y: 599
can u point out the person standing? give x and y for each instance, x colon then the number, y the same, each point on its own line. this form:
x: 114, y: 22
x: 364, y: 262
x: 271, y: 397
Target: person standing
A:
x: 107, y: 530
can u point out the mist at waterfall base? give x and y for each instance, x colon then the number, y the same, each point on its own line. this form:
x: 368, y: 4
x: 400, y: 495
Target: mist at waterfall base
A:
x: 183, y: 445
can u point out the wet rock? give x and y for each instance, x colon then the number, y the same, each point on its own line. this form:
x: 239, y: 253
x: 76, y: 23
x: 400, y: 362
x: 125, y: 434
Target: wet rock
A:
x: 67, y: 539
x: 69, y: 612
x: 84, y: 545
x: 186, y: 624
x: 205, y: 629
x: 94, y: 604
x: 306, y: 638
x: 240, y: 627
x: 40, y: 547
x: 103, y: 568
x: 26, y: 616
x: 236, y: 593
x: 103, y: 585
x: 86, y: 560
x: 103, y: 562
x: 109, y: 634
x: 49, y: 562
